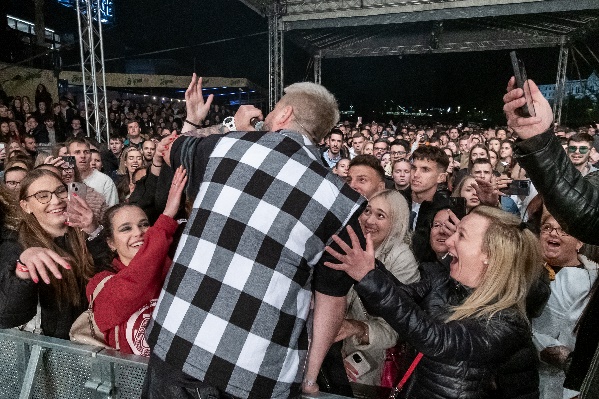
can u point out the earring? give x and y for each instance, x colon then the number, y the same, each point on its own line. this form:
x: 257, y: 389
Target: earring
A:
x: 486, y: 263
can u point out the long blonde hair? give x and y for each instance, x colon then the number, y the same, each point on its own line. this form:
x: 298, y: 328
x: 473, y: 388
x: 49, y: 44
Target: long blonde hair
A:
x: 399, y: 215
x: 31, y: 234
x: 122, y: 167
x: 514, y: 264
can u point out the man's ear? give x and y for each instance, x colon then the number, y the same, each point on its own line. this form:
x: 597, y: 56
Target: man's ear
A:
x: 285, y: 115
x: 442, y: 177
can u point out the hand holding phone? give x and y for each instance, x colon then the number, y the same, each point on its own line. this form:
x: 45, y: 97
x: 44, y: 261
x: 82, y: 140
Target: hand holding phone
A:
x: 527, y: 109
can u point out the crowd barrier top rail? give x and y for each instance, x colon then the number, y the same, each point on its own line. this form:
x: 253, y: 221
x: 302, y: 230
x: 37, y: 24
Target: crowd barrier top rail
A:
x: 36, y: 366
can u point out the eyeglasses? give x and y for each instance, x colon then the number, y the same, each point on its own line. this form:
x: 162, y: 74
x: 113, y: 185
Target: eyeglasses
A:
x: 45, y: 196
x: 582, y: 149
x: 398, y: 153
x: 548, y: 229
x: 380, y: 148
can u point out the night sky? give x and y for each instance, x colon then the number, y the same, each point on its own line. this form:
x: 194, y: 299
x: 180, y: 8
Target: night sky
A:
x: 439, y: 80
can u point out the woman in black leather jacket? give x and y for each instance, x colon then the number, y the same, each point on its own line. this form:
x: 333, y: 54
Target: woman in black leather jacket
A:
x: 465, y: 324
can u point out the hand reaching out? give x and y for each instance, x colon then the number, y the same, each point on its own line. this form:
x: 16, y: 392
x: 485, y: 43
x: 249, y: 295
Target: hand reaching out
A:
x: 174, y: 194
x: 356, y: 262
x: 531, y: 126
x: 197, y: 109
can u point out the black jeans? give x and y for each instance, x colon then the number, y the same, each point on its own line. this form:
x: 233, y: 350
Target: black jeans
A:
x: 161, y: 383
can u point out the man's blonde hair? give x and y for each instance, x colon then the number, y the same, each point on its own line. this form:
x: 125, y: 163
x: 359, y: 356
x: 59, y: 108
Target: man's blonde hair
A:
x: 314, y: 107
x: 515, y: 262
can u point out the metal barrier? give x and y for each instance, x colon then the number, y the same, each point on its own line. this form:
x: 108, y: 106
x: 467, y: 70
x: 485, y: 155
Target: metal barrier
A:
x: 40, y: 367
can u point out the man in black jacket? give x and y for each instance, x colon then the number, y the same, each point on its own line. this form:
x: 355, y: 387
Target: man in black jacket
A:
x: 573, y: 201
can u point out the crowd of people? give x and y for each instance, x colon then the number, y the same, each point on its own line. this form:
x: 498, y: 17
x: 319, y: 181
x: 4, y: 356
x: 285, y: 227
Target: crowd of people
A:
x: 206, y: 245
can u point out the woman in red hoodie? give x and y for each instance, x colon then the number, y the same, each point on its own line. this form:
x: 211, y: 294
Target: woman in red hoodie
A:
x: 123, y: 307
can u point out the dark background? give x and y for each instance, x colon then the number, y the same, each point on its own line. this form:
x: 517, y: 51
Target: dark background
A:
x: 226, y: 38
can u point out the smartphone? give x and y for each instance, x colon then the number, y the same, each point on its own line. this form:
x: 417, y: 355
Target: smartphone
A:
x: 458, y: 206
x: 69, y: 162
x: 77, y: 188
x: 359, y: 362
x: 360, y: 120
x: 527, y: 109
x: 517, y: 187
x: 2, y: 145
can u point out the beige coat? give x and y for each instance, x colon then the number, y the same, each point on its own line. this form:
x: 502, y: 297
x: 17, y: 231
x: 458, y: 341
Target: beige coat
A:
x: 401, y: 262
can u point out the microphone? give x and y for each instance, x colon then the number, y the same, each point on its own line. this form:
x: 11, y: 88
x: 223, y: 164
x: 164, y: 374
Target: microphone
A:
x: 256, y: 123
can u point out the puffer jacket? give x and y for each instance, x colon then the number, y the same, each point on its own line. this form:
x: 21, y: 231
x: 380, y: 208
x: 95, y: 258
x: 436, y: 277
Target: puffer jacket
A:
x: 574, y: 202
x: 461, y: 358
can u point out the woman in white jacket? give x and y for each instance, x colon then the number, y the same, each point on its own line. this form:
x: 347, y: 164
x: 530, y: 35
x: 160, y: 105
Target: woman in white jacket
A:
x: 572, y: 276
x: 386, y: 218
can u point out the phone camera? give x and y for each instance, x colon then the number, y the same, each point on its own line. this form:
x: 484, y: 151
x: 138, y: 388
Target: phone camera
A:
x: 357, y: 358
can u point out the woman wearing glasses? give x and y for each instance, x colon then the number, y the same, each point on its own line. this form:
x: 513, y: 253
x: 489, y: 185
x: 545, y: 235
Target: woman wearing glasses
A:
x: 52, y: 260
x: 572, y: 276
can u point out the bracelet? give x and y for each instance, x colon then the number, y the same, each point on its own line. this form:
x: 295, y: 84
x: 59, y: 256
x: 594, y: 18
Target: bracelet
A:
x: 156, y: 166
x: 22, y: 267
x: 192, y: 124
x: 309, y: 383
x: 95, y: 233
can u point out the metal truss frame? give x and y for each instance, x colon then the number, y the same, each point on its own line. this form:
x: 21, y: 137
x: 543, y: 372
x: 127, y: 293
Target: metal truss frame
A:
x: 275, y: 53
x: 318, y: 68
x: 365, y: 28
x: 560, y: 83
x: 92, y: 68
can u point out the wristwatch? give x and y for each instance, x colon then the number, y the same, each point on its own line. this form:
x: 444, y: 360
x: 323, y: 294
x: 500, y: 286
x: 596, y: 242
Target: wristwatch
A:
x: 229, y: 122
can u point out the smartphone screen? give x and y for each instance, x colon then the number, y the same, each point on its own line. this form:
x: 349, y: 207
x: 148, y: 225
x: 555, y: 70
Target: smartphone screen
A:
x: 458, y: 206
x: 69, y: 161
x: 517, y: 187
x: 522, y: 82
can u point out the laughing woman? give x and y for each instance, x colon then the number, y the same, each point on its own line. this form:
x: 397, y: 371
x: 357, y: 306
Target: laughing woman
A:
x: 465, y: 324
x: 52, y: 260
x: 140, y: 266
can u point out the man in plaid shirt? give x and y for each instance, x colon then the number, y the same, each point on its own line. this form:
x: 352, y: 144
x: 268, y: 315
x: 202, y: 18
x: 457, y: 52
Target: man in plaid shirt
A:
x: 231, y: 318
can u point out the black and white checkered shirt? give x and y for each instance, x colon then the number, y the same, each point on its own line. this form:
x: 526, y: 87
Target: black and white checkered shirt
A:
x: 233, y: 310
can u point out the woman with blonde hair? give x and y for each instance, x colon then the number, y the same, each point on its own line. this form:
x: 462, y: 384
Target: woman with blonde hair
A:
x: 386, y: 220
x: 468, y: 323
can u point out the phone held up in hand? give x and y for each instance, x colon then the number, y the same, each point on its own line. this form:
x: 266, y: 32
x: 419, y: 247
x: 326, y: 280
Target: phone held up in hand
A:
x: 517, y: 187
x: 458, y: 206
x: 527, y: 109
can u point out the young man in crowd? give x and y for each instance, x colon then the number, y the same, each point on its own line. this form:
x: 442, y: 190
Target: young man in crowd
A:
x: 111, y: 157
x: 429, y: 169
x: 134, y: 135
x: 357, y: 145
x: 76, y: 130
x: 13, y: 177
x: 381, y: 146
x: 401, y: 175
x: 231, y: 319
x: 399, y: 150
x: 483, y: 170
x: 332, y: 155
x: 30, y: 146
x: 366, y: 175
x: 79, y: 148
x: 35, y: 130
x: 148, y: 150
x: 579, y: 147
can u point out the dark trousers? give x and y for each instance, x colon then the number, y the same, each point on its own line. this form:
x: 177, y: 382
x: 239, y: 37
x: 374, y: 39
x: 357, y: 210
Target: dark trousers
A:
x: 160, y: 383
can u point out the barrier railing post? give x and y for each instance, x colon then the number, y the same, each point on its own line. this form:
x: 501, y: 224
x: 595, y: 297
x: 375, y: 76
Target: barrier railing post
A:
x: 34, y: 362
